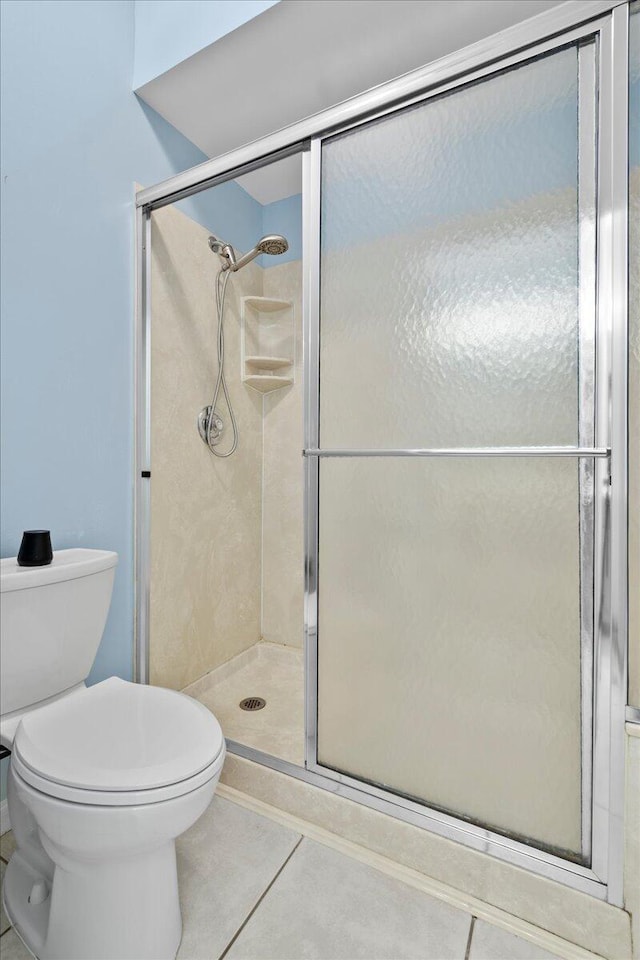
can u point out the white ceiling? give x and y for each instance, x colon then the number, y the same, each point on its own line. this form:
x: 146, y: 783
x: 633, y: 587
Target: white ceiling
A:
x: 275, y: 181
x: 302, y: 56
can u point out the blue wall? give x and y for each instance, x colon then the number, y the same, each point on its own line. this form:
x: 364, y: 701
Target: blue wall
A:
x: 169, y: 31
x: 232, y: 214
x: 75, y: 139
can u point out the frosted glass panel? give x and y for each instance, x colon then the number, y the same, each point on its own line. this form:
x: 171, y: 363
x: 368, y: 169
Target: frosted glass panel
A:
x: 454, y: 594
x: 449, y: 268
x: 634, y: 355
x: 449, y: 637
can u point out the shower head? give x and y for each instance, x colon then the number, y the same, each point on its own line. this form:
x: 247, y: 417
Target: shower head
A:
x: 273, y: 244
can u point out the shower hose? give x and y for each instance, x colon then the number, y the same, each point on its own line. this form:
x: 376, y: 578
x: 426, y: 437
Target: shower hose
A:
x: 222, y: 279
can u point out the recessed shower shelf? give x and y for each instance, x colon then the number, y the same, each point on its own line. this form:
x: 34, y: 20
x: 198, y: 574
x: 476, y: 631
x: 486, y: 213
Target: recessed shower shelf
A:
x: 265, y: 383
x: 266, y: 304
x: 268, y: 363
x: 267, y: 344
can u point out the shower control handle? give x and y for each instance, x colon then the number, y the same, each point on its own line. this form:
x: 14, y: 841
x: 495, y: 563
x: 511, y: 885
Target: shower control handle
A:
x: 216, y: 428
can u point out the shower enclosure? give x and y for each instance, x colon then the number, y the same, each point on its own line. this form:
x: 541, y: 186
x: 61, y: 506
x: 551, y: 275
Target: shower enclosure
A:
x: 464, y: 454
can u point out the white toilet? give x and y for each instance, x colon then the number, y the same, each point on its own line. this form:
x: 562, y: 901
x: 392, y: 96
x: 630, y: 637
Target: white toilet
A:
x: 102, y: 779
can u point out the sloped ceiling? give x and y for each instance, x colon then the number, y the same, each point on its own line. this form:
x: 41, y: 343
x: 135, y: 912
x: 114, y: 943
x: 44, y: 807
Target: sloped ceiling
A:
x: 302, y: 56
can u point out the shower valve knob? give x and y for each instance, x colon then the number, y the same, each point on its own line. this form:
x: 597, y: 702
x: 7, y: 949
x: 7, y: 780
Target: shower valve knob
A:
x: 215, y: 429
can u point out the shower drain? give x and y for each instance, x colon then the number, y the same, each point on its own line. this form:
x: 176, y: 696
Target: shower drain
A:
x: 252, y: 703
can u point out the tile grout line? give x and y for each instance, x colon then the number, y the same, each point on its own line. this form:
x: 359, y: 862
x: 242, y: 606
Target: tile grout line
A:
x: 437, y: 889
x: 467, y: 952
x: 258, y: 902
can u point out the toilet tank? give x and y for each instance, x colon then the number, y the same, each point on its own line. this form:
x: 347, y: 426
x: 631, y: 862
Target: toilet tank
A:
x: 51, y: 622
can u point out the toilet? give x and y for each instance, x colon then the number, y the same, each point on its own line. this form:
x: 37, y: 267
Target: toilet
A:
x: 102, y: 779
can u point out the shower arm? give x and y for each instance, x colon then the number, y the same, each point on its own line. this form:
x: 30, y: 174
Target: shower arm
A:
x: 243, y: 261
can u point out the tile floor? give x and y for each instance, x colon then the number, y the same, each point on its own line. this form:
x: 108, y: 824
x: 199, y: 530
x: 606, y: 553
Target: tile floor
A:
x: 251, y: 888
x: 268, y: 670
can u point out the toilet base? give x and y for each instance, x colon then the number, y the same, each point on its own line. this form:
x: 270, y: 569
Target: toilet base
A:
x: 29, y: 920
x: 116, y: 911
x: 98, y: 882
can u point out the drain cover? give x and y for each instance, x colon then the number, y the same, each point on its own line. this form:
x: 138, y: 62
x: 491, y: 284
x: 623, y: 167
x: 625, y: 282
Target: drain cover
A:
x: 252, y: 703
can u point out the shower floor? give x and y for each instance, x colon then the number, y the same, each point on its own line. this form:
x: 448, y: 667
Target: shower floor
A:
x: 268, y: 670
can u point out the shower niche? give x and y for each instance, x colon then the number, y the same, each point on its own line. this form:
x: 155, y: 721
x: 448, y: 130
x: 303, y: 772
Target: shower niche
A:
x: 267, y: 343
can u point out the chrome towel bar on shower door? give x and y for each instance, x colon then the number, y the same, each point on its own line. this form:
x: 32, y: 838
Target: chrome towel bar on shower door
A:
x: 467, y: 452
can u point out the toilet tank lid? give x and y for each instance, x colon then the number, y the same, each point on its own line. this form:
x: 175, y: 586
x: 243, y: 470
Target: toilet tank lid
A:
x: 118, y: 735
x: 66, y: 565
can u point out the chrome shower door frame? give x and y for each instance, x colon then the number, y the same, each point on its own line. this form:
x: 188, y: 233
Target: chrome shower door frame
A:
x: 601, y: 452
x: 607, y: 20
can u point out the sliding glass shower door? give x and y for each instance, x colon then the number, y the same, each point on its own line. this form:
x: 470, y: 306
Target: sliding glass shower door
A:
x: 454, y: 461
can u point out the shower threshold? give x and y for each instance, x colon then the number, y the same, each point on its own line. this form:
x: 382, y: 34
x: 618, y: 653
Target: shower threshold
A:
x: 272, y: 672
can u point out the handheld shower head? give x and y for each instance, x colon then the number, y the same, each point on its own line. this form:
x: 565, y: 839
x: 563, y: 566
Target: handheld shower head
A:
x: 210, y: 423
x: 273, y: 244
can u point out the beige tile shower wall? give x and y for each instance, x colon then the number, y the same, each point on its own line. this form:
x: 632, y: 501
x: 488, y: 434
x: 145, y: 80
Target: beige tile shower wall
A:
x: 205, y: 512
x: 282, y: 505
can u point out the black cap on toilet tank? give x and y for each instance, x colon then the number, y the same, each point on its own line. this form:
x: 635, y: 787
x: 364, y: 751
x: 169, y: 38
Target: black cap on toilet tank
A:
x: 35, y: 549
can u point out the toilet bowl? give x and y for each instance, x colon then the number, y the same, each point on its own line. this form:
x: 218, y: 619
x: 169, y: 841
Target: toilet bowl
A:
x: 102, y: 781
x: 109, y: 777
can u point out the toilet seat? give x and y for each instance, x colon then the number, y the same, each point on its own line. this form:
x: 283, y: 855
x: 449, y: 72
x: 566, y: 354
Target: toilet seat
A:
x: 119, y: 744
x: 117, y: 798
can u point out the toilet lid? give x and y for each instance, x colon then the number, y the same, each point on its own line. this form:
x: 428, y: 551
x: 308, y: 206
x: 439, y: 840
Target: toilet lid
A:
x: 118, y: 735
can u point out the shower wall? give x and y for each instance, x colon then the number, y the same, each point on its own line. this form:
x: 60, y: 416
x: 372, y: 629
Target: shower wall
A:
x: 226, y: 534
x: 206, y: 513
